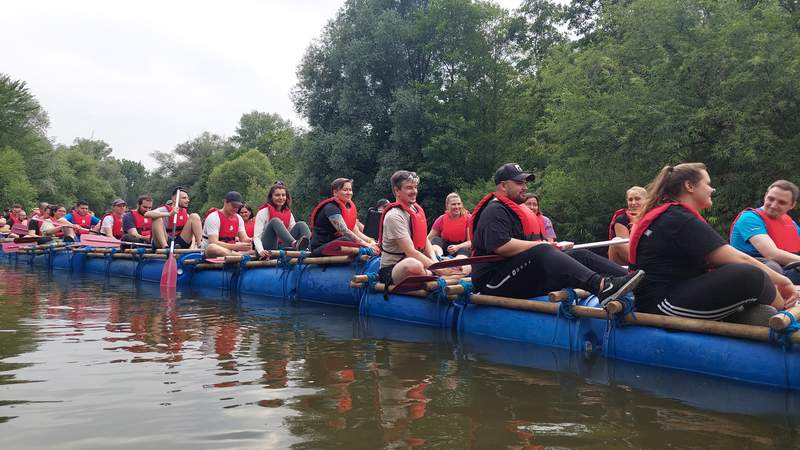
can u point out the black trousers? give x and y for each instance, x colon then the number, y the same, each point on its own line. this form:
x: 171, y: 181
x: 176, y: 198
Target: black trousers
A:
x: 543, y: 269
x: 714, y: 295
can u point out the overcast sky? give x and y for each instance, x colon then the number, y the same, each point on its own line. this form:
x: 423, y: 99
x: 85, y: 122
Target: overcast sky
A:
x: 148, y: 75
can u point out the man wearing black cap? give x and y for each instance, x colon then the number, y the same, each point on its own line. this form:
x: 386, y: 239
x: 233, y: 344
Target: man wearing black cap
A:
x: 501, y: 225
x: 223, y: 227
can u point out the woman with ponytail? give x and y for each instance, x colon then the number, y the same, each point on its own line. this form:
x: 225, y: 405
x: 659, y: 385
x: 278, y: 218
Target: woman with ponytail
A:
x: 675, y: 247
x: 450, y: 231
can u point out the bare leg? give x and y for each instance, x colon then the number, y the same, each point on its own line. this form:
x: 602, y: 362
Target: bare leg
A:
x: 159, y: 233
x: 619, y: 254
x: 193, y: 230
x: 408, y: 267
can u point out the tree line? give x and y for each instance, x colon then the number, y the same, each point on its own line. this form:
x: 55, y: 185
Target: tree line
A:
x: 593, y: 96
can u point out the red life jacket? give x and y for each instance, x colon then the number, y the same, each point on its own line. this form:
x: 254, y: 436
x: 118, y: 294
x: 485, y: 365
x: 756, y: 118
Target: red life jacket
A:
x: 250, y: 227
x: 419, y: 225
x: 782, y: 230
x: 12, y: 220
x: 454, y: 230
x: 83, y: 220
x: 284, y: 214
x: 116, y: 229
x: 532, y: 225
x: 350, y: 215
x: 618, y: 213
x: 183, y: 217
x: 211, y: 210
x: 143, y: 224
x: 228, y: 227
x: 647, y: 220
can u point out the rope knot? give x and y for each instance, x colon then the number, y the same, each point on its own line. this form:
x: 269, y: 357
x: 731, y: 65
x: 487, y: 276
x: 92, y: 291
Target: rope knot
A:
x: 565, y: 306
x: 784, y: 337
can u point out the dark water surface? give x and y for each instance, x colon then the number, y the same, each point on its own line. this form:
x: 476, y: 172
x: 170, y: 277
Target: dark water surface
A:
x: 87, y: 363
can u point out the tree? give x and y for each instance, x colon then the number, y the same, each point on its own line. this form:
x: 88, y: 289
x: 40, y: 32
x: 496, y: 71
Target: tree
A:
x: 16, y: 187
x: 250, y: 174
x: 270, y: 134
x: 136, y: 179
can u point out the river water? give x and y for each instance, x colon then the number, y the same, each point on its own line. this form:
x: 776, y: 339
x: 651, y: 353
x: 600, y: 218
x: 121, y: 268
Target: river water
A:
x: 89, y: 363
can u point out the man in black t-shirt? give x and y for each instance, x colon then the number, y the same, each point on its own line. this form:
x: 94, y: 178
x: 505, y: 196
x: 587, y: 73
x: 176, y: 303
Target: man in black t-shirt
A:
x: 533, y: 266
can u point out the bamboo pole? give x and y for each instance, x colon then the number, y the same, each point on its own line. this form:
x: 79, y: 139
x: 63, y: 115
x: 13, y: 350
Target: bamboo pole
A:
x: 750, y: 332
x: 781, y: 322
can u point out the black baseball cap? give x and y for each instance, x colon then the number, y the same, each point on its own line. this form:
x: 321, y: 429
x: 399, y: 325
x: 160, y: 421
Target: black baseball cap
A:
x: 512, y: 171
x: 234, y: 197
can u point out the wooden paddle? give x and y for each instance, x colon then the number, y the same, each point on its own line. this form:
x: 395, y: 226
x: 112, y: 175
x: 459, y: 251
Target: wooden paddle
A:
x: 494, y: 258
x: 169, y: 275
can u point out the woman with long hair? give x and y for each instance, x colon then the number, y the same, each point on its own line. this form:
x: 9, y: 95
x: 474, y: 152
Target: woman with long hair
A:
x: 675, y: 247
x: 275, y: 226
x: 246, y: 211
x: 450, y: 231
x: 533, y: 202
x: 622, y: 223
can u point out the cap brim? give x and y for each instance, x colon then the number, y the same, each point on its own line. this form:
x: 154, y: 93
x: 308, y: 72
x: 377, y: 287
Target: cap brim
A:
x: 524, y: 177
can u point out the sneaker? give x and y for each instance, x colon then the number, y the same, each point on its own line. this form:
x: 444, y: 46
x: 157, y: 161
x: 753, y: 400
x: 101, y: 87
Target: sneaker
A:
x: 301, y: 244
x: 616, y: 287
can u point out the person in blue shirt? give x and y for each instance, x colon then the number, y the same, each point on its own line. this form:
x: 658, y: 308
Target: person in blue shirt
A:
x: 768, y: 233
x: 82, y: 217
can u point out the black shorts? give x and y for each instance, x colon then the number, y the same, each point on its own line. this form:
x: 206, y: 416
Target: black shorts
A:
x: 179, y: 243
x: 385, y: 274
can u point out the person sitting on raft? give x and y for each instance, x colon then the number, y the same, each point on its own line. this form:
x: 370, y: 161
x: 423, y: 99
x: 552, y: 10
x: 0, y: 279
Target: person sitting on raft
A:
x: 11, y: 216
x: 405, y: 248
x: 502, y: 225
x: 138, y: 227
x: 275, y: 224
x: 111, y: 224
x: 622, y: 223
x: 675, y: 246
x: 768, y: 233
x: 450, y: 231
x: 223, y: 227
x: 249, y: 218
x: 188, y: 229
x: 532, y: 201
x: 35, y: 224
x: 372, y: 224
x: 58, y: 226
x: 335, y: 219
x: 82, y: 217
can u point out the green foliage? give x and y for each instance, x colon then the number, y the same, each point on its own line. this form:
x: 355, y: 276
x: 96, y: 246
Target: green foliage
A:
x: 270, y: 134
x: 250, y: 174
x: 16, y: 187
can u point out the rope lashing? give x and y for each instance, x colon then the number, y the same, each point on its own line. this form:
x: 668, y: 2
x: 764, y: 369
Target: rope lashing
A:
x: 441, y: 290
x: 372, y: 279
x: 784, y: 337
x: 565, y: 307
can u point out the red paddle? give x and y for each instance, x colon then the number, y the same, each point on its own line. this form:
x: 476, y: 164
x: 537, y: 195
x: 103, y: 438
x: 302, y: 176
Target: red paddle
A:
x: 413, y: 283
x: 169, y: 276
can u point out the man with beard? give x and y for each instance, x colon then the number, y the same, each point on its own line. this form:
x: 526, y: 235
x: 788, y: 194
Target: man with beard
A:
x: 502, y: 225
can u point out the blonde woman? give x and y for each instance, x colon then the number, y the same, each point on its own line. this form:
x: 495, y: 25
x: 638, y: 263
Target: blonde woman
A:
x: 622, y: 223
x: 450, y: 232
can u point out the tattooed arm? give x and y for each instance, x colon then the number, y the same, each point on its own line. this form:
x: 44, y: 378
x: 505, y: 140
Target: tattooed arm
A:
x: 338, y: 222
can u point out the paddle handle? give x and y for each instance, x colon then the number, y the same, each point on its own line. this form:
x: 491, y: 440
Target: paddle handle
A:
x: 601, y: 244
x: 175, y: 219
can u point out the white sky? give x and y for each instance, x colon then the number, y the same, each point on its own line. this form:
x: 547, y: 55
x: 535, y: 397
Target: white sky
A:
x: 148, y: 75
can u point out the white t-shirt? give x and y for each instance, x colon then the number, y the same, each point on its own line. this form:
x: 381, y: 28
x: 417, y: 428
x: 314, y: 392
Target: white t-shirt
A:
x: 211, y: 227
x: 107, y: 223
x: 262, y: 219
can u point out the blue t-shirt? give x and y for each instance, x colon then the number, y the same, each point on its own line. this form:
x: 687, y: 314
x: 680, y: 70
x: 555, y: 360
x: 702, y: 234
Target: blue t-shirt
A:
x: 94, y: 222
x: 749, y: 224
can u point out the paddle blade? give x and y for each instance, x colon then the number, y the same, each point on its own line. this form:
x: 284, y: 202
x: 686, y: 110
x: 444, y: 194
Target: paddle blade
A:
x: 99, y: 240
x: 169, y: 276
x: 457, y: 262
x: 413, y: 283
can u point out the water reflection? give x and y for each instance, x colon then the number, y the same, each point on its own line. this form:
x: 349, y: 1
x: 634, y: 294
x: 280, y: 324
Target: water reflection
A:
x: 91, y: 363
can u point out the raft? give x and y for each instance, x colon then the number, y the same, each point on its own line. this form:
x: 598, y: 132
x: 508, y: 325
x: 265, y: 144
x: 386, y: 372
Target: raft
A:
x: 578, y: 326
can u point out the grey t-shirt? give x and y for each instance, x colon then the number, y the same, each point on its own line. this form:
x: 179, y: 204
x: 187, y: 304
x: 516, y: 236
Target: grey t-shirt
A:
x: 396, y: 224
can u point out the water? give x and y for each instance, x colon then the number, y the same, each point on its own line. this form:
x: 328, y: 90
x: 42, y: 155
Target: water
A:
x: 90, y: 363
